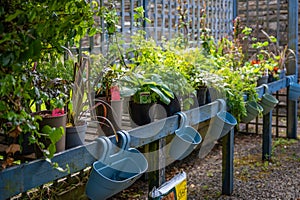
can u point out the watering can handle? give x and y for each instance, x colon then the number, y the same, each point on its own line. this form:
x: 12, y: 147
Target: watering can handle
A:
x: 183, y: 120
x: 223, y: 104
x: 126, y: 141
x: 266, y: 88
x: 107, y: 146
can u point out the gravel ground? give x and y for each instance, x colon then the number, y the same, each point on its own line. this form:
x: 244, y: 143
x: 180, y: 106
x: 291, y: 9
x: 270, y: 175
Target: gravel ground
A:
x: 253, y: 178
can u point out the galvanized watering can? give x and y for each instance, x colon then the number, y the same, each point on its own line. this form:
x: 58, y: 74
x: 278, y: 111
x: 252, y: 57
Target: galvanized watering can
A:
x: 117, y: 169
x: 185, y: 141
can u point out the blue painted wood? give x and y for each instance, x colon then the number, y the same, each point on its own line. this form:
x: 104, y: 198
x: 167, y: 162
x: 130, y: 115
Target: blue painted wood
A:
x: 198, y: 22
x: 227, y: 163
x: 170, y: 24
x: 23, y: 177
x: 292, y: 66
x: 102, y: 25
x: 131, y: 11
x: 155, y: 20
x: 122, y: 16
x: 163, y: 17
x: 235, y: 8
x: 145, y: 6
x: 267, y: 136
x: 20, y: 178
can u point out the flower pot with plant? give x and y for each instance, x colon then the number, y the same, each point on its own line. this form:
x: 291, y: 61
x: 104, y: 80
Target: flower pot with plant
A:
x: 107, y: 95
x: 77, y: 107
x: 145, y: 90
x: 53, y: 95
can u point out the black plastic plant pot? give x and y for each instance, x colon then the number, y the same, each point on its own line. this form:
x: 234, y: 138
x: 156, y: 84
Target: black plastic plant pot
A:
x: 201, y: 95
x: 173, y: 107
x: 262, y: 80
x: 141, y: 114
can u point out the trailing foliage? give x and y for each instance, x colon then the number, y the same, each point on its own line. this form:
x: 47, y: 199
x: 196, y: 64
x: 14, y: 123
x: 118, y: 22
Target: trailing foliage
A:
x: 32, y: 39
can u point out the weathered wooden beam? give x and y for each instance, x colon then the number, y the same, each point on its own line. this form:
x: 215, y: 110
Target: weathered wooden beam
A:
x: 227, y: 163
x: 26, y: 176
x: 267, y: 136
x: 292, y: 66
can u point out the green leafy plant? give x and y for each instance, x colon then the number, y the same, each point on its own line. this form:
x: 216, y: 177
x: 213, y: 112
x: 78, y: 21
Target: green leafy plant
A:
x: 34, y: 32
x: 134, y: 84
x: 166, y: 60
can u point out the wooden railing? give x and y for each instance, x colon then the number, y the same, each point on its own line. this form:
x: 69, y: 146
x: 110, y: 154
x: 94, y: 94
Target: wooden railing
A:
x: 29, y: 175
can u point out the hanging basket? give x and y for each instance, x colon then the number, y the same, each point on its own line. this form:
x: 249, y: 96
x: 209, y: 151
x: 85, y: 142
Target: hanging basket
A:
x: 185, y: 141
x: 115, y: 171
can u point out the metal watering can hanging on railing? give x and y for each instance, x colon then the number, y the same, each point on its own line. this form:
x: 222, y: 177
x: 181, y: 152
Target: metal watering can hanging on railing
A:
x: 219, y: 126
x: 115, y: 171
x: 185, y: 141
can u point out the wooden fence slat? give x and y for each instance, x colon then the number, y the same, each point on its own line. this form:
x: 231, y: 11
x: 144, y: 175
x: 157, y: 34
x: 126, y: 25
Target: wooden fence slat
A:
x: 293, y: 10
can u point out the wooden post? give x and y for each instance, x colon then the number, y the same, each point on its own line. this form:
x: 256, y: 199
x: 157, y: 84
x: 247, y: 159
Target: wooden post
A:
x: 267, y: 136
x: 227, y: 162
x: 157, y: 160
x: 235, y: 9
x: 292, y: 66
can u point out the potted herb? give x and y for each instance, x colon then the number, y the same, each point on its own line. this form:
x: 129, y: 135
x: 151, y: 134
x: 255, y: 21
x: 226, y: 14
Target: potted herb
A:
x: 145, y: 90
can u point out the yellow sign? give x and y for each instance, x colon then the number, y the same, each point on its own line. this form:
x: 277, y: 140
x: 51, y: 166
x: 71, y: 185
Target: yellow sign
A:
x: 181, y: 190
